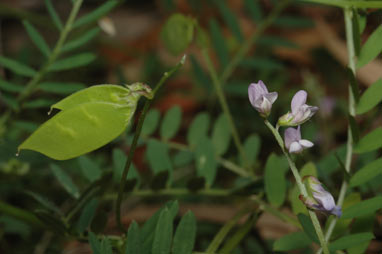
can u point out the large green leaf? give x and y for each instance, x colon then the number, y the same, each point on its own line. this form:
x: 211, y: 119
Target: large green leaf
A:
x: 363, y: 208
x: 371, y: 49
x: 370, y: 142
x: 65, y: 180
x: 274, y: 179
x: 370, y: 98
x: 133, y: 242
x: 163, y: 233
x: 185, y: 235
x: 17, y: 67
x: 292, y: 241
x: 221, y: 135
x: 366, y: 173
x: 37, y: 39
x: 198, y: 128
x: 252, y: 148
x: 177, y: 33
x: 79, y: 130
x: 206, y: 165
x: 96, y: 14
x: 72, y: 62
x: 171, y: 123
x: 350, y: 241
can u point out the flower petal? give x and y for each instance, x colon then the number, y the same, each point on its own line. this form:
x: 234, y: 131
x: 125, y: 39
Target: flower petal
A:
x: 295, y: 147
x: 266, y: 106
x: 298, y: 100
x: 290, y: 136
x: 325, y: 199
x: 262, y: 87
x: 272, y: 97
x: 305, y: 143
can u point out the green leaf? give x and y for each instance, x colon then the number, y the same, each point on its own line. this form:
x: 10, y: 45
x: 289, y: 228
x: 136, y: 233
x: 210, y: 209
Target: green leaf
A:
x: 87, y: 215
x: 274, y: 179
x: 51, y: 221
x: 254, y: 9
x: 60, y: 88
x: 177, y: 33
x: 79, y: 130
x: 293, y: 241
x: 119, y: 163
x: 171, y: 123
x: 218, y: 43
x: 96, y: 14
x: 158, y: 156
x: 363, y: 208
x: 206, y: 165
x: 366, y: 173
x: 370, y: 98
x: 230, y: 20
x: 371, y: 48
x: 151, y: 122
x: 252, y: 148
x: 308, y: 227
x: 90, y: 170
x: 198, y: 128
x: 9, y: 87
x: 183, y: 158
x: 37, y: 39
x: 133, y: 242
x: 95, y: 244
x: 10, y: 101
x: 44, y: 202
x: 65, y: 181
x: 221, y: 135
x: 185, y: 234
x: 18, y: 68
x: 73, y: 62
x: 350, y: 241
x: 53, y: 14
x: 163, y: 233
x: 106, y: 246
x: 38, y: 103
x: 370, y: 142
x: 293, y: 22
x: 80, y: 41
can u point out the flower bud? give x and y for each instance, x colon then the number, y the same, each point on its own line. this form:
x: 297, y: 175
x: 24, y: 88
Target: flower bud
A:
x: 321, y: 200
x: 260, y: 98
x: 301, y: 112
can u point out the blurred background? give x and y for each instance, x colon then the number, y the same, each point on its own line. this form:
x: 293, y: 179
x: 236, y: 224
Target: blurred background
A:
x: 303, y: 48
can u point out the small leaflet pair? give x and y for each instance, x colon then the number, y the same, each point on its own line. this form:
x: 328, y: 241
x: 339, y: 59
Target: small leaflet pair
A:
x: 88, y: 119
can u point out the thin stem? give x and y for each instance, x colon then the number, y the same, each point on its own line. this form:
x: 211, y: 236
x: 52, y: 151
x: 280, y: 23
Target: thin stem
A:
x: 138, y: 130
x: 348, y: 13
x: 224, y: 104
x: 244, y: 49
x: 33, y: 83
x: 301, y: 187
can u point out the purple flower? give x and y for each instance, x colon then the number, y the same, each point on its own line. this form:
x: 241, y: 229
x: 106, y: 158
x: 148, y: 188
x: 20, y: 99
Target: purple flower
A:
x: 322, y: 200
x: 260, y: 98
x: 293, y: 141
x: 301, y: 112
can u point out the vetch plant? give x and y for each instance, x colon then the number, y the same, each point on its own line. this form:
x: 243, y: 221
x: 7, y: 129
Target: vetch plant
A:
x: 293, y: 141
x: 260, y: 98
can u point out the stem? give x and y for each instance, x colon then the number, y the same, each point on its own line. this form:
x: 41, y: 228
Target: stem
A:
x: 348, y: 13
x: 301, y: 187
x: 138, y: 130
x: 244, y: 49
x: 224, y: 104
x: 33, y: 83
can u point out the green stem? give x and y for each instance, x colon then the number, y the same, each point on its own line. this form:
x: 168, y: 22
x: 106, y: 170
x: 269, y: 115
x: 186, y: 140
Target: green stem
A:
x: 348, y: 13
x: 301, y: 187
x: 224, y: 104
x: 138, y: 130
x: 33, y: 83
x: 348, y: 4
x: 20, y: 214
x: 244, y: 49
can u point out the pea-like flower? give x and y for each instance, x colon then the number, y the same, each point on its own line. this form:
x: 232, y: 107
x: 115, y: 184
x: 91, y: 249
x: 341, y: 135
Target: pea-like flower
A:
x: 293, y: 141
x: 321, y: 199
x: 260, y: 98
x: 301, y: 112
